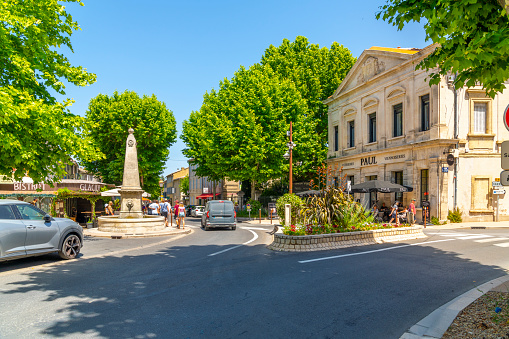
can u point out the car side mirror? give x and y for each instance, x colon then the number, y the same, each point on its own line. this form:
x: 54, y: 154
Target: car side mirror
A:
x: 47, y: 218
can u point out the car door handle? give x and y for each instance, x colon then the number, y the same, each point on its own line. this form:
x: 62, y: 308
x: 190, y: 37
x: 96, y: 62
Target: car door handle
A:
x: 31, y: 227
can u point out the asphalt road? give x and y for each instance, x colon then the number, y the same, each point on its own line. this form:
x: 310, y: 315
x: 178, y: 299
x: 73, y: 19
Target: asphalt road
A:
x: 224, y: 284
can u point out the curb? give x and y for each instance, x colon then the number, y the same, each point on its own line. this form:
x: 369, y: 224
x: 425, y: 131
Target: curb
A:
x: 94, y: 232
x: 438, y: 321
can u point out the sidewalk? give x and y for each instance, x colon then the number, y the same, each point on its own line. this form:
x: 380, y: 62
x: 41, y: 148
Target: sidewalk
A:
x: 438, y: 321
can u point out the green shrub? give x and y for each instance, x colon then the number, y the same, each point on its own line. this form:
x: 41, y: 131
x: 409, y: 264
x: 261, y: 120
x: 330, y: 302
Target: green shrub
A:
x: 435, y: 221
x: 455, y: 215
x: 255, y: 205
x: 296, y: 204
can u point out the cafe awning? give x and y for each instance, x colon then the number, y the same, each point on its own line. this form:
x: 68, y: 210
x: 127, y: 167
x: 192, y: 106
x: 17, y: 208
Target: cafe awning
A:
x: 206, y: 196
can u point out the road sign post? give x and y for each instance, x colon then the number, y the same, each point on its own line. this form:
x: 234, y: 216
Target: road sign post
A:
x: 248, y: 208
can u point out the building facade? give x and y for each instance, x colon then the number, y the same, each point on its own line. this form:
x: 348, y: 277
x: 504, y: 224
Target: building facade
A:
x: 201, y: 189
x: 172, y: 183
x: 387, y: 123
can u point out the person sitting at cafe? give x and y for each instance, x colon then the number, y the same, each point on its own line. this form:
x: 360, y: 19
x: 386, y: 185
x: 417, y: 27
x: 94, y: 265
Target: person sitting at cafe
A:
x: 403, y: 215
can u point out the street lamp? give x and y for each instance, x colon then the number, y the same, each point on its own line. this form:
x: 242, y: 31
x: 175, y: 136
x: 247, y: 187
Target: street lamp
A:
x: 161, y: 184
x: 289, y: 155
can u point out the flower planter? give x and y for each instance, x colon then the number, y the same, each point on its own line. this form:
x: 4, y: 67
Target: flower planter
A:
x: 319, y: 242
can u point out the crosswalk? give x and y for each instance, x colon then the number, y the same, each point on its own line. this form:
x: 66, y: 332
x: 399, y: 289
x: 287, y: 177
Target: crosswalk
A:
x: 480, y: 238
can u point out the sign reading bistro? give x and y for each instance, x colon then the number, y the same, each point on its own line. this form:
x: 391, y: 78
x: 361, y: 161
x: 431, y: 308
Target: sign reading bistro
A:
x: 22, y: 187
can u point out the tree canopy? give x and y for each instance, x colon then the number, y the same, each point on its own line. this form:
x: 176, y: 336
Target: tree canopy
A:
x: 107, y: 123
x: 240, y: 130
x: 38, y: 134
x: 472, y: 38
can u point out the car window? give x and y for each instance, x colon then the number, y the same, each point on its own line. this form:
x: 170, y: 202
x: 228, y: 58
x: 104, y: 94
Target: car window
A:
x: 30, y: 212
x: 6, y: 212
x: 217, y: 207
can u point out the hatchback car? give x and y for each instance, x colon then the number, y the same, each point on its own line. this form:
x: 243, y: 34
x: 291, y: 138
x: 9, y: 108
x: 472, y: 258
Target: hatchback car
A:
x: 219, y: 213
x: 197, y: 211
x: 26, y: 231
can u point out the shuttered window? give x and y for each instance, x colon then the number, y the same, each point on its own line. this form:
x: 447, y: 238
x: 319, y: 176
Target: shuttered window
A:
x: 480, y: 118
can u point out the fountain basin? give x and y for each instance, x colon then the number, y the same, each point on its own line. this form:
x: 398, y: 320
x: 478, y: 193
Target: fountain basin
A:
x: 113, y: 223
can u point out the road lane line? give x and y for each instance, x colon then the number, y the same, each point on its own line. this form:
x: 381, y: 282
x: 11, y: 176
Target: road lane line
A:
x: 373, y: 251
x: 234, y: 247
x: 255, y: 228
x: 469, y: 237
x: 491, y: 239
x: 504, y: 244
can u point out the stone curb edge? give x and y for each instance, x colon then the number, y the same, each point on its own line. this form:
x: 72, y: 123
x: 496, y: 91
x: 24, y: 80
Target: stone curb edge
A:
x: 438, y: 321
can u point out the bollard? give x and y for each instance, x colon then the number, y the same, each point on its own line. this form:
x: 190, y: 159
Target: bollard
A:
x: 288, y: 215
x: 260, y: 210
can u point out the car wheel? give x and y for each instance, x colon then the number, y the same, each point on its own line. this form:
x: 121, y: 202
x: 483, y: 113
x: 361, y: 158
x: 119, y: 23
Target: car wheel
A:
x: 70, y: 247
x: 234, y: 228
x: 206, y: 228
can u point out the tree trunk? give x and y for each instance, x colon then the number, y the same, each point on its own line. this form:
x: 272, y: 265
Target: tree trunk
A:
x: 505, y: 5
x: 214, y: 185
x: 253, y: 189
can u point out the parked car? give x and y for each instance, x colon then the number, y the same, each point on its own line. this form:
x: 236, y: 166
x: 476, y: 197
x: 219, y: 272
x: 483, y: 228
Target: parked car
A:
x: 197, y: 211
x: 188, y: 210
x: 26, y: 231
x: 219, y: 213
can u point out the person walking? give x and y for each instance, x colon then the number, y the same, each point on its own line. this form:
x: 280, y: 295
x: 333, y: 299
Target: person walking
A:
x: 412, y: 211
x: 153, y: 208
x: 182, y: 215
x: 394, y: 213
x: 163, y: 208
x: 176, y: 211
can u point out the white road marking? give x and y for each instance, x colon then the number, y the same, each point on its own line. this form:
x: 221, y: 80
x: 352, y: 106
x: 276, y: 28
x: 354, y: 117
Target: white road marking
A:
x: 504, y: 244
x: 255, y: 228
x: 474, y: 237
x: 492, y: 239
x: 374, y: 251
x: 234, y: 247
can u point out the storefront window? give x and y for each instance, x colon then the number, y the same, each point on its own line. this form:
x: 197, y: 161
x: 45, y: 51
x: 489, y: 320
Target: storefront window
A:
x: 398, y: 179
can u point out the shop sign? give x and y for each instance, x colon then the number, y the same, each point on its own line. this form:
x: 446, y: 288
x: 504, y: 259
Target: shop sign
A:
x: 347, y: 164
x: 394, y: 157
x: 368, y: 161
x: 21, y: 186
x: 90, y: 187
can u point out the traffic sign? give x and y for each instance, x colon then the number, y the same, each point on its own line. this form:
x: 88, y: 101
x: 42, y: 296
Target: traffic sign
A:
x: 506, y: 117
x: 504, y: 153
x: 248, y: 207
x: 498, y: 191
x: 504, y: 178
x: 496, y: 183
x: 450, y: 159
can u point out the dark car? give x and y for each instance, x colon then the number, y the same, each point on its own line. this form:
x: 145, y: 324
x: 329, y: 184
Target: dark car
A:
x: 26, y: 231
x: 188, y: 210
x: 219, y: 213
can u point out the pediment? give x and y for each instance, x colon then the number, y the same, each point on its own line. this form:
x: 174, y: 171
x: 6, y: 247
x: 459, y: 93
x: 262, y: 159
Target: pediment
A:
x: 371, y: 64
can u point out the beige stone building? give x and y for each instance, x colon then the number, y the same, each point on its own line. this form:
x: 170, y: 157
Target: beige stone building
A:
x: 172, y: 183
x: 387, y: 123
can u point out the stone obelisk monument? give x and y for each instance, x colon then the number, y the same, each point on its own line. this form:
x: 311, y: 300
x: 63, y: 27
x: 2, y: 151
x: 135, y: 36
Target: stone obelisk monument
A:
x: 131, y: 191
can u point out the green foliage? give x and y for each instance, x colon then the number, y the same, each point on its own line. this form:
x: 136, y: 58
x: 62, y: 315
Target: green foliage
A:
x: 184, y: 185
x: 296, y: 204
x: 455, y: 215
x: 435, y: 221
x: 472, y: 38
x: 255, y: 205
x: 107, y: 123
x: 37, y: 133
x: 240, y: 130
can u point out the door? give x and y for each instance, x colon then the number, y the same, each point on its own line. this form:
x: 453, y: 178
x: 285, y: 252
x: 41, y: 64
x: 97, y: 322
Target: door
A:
x: 12, y: 234
x: 41, y: 236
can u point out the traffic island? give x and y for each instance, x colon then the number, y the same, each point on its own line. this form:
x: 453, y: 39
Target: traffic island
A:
x: 320, y: 242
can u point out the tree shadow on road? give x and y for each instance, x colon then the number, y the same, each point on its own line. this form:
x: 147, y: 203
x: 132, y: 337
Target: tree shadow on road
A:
x: 181, y: 291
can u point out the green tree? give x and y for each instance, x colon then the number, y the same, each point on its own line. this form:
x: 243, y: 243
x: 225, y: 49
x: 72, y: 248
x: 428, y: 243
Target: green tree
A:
x: 472, y: 38
x: 107, y: 123
x: 37, y: 133
x: 240, y: 131
x: 316, y: 72
x: 184, y: 185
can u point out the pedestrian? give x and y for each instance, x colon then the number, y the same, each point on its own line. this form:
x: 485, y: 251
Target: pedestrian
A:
x: 176, y: 211
x: 163, y: 208
x: 153, y: 208
x: 109, y: 208
x: 182, y: 215
x: 394, y: 213
x: 412, y: 211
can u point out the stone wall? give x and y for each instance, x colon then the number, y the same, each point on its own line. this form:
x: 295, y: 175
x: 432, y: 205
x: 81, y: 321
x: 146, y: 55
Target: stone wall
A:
x: 307, y: 243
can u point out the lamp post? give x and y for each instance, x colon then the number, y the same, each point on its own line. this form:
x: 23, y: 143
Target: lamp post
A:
x: 161, y: 184
x: 289, y: 155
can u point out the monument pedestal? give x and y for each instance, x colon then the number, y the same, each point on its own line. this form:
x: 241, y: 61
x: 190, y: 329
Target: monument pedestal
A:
x: 131, y: 203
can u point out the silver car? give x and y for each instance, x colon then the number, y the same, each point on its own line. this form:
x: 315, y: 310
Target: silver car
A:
x: 26, y: 231
x: 219, y: 213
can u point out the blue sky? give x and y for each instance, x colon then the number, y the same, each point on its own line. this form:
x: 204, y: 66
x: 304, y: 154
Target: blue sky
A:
x: 178, y: 50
